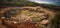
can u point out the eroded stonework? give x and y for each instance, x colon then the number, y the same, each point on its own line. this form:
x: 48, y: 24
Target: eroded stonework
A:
x: 36, y: 16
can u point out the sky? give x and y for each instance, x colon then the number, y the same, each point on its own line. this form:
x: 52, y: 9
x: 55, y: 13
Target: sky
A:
x: 54, y: 2
x: 47, y: 0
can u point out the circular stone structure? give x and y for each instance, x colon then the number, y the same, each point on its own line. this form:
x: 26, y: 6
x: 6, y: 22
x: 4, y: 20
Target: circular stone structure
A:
x: 26, y: 17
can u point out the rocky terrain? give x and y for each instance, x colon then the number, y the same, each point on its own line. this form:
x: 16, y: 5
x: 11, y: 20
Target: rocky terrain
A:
x: 26, y: 17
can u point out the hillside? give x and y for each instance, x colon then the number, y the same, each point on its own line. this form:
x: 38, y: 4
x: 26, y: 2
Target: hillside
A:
x: 28, y: 3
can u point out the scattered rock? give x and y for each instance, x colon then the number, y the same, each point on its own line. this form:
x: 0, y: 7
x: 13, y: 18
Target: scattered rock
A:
x: 44, y: 22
